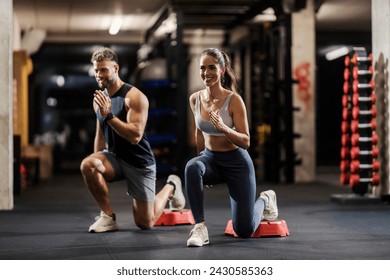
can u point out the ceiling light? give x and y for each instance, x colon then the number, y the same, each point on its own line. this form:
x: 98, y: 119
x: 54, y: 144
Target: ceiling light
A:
x: 332, y: 55
x: 266, y: 15
x: 60, y: 81
x: 51, y: 102
x: 116, y: 25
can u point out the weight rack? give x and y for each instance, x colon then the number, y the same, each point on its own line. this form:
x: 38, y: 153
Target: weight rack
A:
x: 359, y: 164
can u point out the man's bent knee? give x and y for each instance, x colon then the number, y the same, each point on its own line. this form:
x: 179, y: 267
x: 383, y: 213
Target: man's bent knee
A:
x: 84, y: 166
x: 90, y: 165
x: 143, y: 214
x: 144, y: 224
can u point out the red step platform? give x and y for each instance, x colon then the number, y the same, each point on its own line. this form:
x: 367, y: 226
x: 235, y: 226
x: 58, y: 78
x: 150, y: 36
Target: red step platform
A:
x: 172, y: 218
x: 266, y: 228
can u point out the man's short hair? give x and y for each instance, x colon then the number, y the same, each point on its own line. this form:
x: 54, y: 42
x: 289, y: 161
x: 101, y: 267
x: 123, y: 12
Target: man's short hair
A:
x: 104, y: 54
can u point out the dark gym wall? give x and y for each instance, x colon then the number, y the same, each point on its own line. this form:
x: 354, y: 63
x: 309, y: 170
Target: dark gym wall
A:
x: 72, y: 60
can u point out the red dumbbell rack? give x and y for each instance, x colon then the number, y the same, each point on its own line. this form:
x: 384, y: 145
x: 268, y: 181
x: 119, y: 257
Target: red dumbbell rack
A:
x: 359, y: 166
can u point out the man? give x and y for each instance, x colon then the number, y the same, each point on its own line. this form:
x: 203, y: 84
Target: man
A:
x: 121, y: 150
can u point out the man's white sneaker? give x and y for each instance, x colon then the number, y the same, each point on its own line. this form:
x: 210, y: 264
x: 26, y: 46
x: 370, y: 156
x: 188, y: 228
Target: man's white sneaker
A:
x: 178, y: 199
x: 270, y: 207
x: 104, y: 223
x: 199, y: 236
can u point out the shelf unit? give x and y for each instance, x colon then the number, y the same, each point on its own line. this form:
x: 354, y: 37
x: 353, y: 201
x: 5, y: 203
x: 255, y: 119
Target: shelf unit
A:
x: 162, y: 130
x: 167, y: 94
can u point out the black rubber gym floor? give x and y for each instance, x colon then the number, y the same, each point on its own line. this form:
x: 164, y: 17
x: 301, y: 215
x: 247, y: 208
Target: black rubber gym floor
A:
x: 50, y: 222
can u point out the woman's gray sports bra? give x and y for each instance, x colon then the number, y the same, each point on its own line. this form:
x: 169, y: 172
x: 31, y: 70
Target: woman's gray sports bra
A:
x: 207, y: 127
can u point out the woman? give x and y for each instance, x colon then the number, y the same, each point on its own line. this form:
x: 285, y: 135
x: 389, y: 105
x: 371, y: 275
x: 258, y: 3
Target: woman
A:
x: 222, y: 137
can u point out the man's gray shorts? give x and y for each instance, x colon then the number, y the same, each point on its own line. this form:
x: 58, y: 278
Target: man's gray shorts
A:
x: 141, y: 182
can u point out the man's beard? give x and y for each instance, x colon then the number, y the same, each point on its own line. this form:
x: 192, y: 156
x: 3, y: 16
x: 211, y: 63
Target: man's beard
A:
x: 109, y: 83
x: 101, y: 86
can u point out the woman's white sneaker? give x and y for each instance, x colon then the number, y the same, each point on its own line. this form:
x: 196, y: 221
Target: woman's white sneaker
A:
x: 199, y: 236
x: 270, y: 207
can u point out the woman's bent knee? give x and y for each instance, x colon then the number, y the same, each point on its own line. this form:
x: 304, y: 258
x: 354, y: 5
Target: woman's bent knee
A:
x: 194, y: 168
x: 243, y: 232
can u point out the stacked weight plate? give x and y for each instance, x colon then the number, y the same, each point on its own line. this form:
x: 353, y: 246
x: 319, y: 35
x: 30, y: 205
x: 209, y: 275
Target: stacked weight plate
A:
x: 359, y: 166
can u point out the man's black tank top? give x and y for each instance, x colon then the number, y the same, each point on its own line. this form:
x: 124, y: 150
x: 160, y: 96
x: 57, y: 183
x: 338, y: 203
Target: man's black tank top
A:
x: 139, y: 155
